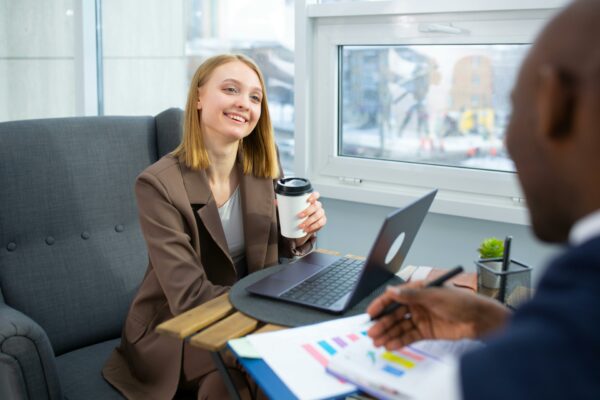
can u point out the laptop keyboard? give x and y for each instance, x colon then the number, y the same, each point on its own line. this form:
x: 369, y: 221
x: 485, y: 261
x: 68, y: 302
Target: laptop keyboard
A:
x: 328, y: 285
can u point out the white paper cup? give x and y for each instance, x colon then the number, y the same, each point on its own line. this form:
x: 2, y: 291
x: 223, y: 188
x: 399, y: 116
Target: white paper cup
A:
x: 292, y: 195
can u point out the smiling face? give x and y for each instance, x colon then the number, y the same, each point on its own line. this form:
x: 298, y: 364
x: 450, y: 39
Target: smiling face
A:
x: 230, y: 103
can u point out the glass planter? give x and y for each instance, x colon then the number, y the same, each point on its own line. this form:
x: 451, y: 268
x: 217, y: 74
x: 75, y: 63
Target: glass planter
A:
x: 511, y: 287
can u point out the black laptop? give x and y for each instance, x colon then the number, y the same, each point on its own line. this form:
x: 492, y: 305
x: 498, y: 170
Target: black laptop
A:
x: 334, y: 284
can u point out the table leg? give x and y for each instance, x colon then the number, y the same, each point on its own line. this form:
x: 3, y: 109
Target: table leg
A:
x: 225, y: 374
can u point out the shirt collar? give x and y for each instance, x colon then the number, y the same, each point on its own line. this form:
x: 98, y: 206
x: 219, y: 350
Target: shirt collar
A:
x: 585, y: 229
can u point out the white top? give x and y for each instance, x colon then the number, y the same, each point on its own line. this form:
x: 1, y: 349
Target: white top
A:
x: 233, y: 225
x: 585, y: 229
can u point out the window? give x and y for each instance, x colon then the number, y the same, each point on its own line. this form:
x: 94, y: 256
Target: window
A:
x: 148, y: 51
x: 343, y: 1
x: 38, y: 59
x: 404, y: 96
x: 429, y: 104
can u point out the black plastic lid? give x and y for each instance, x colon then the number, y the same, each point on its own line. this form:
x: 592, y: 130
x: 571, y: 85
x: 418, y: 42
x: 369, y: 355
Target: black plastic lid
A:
x: 293, y: 186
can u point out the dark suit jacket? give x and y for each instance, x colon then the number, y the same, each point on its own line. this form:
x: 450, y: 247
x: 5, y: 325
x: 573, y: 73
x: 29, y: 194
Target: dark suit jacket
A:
x: 188, y: 264
x: 551, y: 348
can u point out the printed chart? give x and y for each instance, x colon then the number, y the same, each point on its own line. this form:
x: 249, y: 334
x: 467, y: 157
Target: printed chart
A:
x: 396, y: 363
x: 407, y: 372
x: 302, y: 358
x: 323, y: 349
x: 299, y: 356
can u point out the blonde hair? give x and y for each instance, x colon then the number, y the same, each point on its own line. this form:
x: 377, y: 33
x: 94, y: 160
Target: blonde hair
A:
x: 259, y: 155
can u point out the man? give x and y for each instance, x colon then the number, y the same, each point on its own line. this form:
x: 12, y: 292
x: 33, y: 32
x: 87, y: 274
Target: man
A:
x: 550, y: 347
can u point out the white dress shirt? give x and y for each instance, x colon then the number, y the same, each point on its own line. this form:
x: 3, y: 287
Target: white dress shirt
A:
x: 585, y: 229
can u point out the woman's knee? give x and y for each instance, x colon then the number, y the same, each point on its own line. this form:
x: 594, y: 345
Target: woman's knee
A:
x: 212, y: 386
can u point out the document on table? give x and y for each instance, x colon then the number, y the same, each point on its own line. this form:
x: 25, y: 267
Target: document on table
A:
x: 300, y: 356
x: 412, y: 372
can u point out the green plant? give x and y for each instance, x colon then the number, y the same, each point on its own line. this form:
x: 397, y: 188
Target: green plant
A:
x: 491, y: 248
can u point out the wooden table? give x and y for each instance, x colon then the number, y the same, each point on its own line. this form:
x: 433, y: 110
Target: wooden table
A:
x: 211, y: 325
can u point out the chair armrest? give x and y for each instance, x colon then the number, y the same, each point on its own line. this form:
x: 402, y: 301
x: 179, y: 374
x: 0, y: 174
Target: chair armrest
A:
x: 197, y: 318
x: 215, y: 337
x: 27, y: 363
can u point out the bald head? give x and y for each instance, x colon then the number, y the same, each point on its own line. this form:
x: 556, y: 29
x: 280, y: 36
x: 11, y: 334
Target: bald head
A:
x: 554, y: 132
x: 569, y: 40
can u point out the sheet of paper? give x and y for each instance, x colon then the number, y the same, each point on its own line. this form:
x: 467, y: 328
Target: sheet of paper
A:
x: 421, y: 273
x: 243, y: 348
x: 299, y: 356
x: 444, y: 349
x: 413, y: 372
x: 406, y: 272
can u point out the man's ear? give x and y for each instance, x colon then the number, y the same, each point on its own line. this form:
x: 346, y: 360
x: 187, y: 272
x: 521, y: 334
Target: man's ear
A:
x: 555, y: 103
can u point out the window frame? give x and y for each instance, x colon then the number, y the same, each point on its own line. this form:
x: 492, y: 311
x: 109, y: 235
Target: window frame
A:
x: 88, y: 50
x: 322, y: 28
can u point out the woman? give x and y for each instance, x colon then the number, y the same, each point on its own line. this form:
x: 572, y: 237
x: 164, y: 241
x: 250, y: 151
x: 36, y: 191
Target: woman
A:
x: 208, y: 215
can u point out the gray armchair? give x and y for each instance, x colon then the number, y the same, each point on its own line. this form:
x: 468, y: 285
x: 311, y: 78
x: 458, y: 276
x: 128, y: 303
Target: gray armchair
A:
x: 71, y: 251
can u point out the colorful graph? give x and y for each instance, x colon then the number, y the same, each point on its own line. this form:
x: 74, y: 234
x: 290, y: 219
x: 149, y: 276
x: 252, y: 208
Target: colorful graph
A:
x: 323, y: 350
x: 395, y: 363
x: 399, y: 361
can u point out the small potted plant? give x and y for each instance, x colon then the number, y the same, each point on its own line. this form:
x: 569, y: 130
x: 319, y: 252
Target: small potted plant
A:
x: 491, y: 248
x: 490, y: 251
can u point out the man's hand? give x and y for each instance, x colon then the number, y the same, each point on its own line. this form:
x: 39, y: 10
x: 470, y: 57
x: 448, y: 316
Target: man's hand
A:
x: 433, y: 313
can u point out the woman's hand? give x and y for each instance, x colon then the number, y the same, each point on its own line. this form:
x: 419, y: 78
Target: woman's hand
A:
x: 315, y: 218
x: 433, y: 313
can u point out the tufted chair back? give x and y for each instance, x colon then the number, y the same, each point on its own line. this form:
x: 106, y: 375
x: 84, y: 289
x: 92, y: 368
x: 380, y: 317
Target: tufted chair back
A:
x: 71, y: 251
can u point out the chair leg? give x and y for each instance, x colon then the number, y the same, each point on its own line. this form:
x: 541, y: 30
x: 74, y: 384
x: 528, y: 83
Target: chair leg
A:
x: 231, y: 388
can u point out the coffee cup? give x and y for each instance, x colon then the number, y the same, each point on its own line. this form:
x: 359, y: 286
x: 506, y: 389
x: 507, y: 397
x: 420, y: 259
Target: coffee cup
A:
x: 292, y: 195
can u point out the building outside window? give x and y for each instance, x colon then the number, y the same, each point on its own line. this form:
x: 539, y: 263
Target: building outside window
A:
x: 430, y: 104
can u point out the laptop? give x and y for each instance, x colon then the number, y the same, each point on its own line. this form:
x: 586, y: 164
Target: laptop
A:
x: 333, y: 283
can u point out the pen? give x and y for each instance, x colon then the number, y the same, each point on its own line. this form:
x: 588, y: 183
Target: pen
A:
x: 505, y: 265
x: 506, y: 253
x: 390, y: 308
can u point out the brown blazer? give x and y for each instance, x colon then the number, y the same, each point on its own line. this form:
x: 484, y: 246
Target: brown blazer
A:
x: 188, y: 264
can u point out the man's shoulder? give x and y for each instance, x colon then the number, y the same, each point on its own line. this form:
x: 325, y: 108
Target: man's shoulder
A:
x: 590, y: 248
x: 576, y: 263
